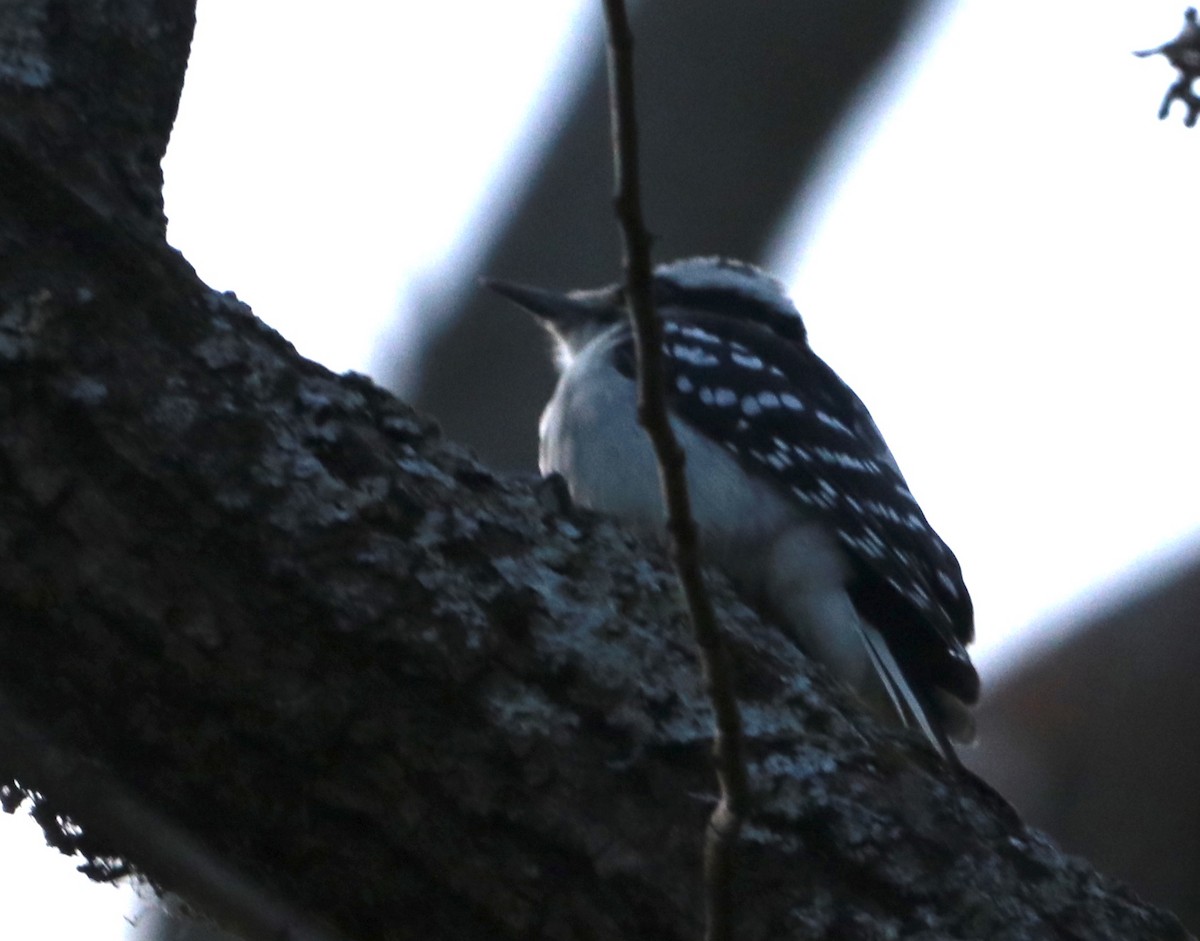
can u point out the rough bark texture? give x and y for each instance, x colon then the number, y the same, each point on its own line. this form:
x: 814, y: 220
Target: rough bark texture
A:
x: 414, y: 698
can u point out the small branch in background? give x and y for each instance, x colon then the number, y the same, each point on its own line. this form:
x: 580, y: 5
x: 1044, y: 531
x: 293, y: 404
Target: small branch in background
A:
x: 1183, y: 52
x: 726, y: 821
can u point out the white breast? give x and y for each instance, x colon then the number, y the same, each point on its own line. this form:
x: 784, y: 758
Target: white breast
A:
x: 777, y: 554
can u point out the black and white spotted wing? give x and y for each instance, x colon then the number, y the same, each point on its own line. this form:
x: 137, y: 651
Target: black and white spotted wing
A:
x: 788, y: 418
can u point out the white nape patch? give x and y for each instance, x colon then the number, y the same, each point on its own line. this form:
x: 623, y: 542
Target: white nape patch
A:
x: 828, y: 420
x: 724, y: 274
x: 693, y: 354
x: 751, y: 406
x: 768, y: 400
x: 725, y: 397
x: 684, y: 384
x: 791, y: 402
x: 749, y: 361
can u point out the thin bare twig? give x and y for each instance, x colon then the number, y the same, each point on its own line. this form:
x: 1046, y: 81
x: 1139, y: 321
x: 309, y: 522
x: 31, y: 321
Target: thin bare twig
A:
x: 726, y: 820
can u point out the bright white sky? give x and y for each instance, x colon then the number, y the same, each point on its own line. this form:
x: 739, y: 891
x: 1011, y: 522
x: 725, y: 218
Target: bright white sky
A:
x: 1003, y: 271
x: 999, y: 265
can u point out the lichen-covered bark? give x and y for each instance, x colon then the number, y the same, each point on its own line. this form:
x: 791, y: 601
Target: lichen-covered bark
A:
x: 413, y: 698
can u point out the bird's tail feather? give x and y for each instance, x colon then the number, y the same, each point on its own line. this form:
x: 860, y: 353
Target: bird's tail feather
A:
x: 907, y: 704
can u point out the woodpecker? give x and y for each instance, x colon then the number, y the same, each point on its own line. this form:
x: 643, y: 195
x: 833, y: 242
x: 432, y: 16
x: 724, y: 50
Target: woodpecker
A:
x: 794, y: 491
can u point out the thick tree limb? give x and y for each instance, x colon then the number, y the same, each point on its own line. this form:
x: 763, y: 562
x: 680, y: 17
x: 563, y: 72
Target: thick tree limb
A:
x: 411, y: 698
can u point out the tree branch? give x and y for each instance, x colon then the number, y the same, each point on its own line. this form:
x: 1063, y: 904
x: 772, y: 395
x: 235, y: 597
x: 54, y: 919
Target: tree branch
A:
x: 1183, y: 52
x: 388, y: 687
x: 726, y: 821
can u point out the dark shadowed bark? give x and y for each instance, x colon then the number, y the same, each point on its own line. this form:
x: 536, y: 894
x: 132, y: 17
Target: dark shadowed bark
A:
x: 364, y: 675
